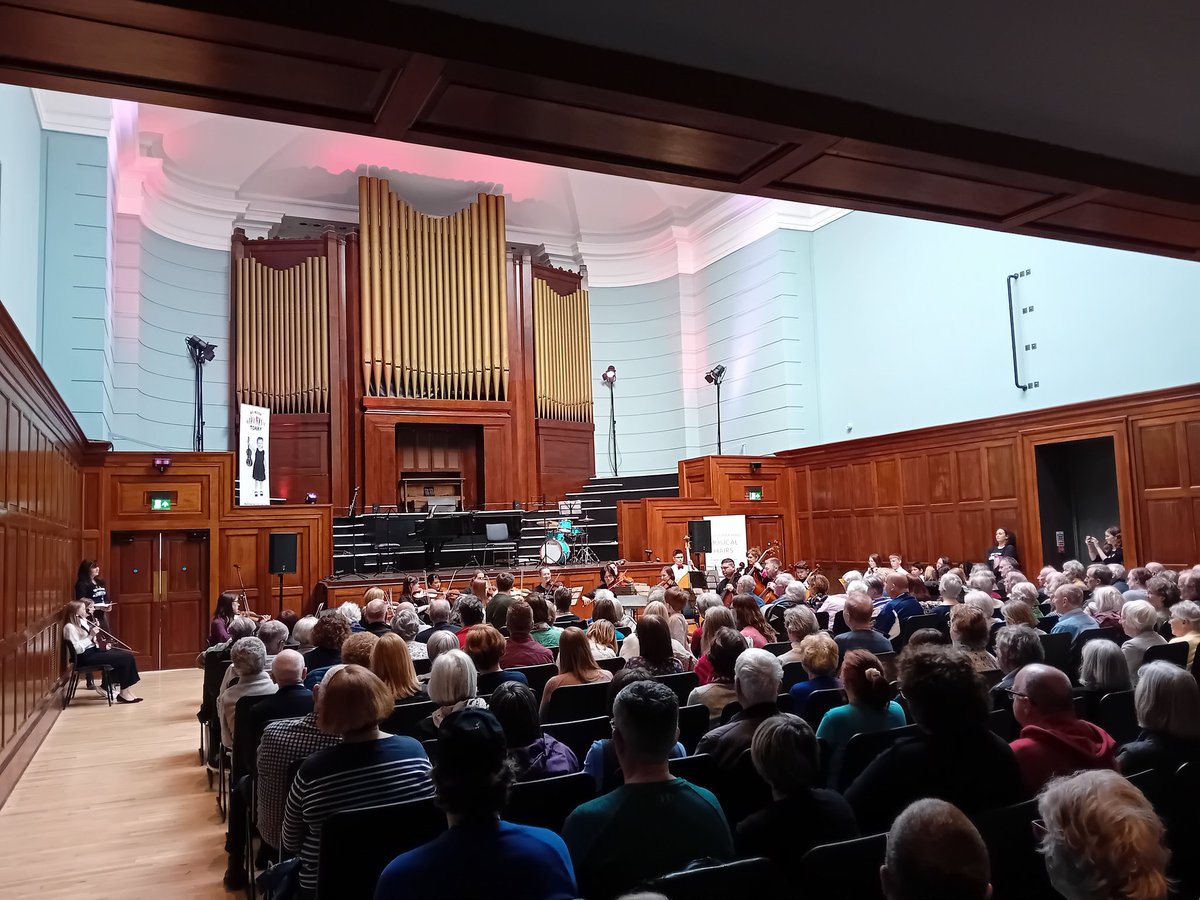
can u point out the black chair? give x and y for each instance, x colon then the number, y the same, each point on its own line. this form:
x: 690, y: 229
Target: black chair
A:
x: 818, y: 703
x: 614, y: 665
x: 580, y: 734
x: 839, y: 624
x: 537, y: 676
x: 693, y: 725
x: 356, y: 845
x: 215, y: 665
x: 546, y: 802
x: 914, y: 624
x: 720, y: 880
x: 862, y: 749
x: 1057, y: 650
x: 577, y: 701
x: 698, y: 769
x: 1178, y: 810
x: 1176, y: 654
x: 1003, y: 724
x: 822, y: 620
x: 888, y: 659
x: 682, y: 683
x: 1018, y: 869
x: 992, y: 676
x: 422, y: 666
x: 406, y: 716
x: 1109, y: 633
x: 844, y: 869
x: 245, y: 744
x: 75, y: 670
x: 793, y: 674
x: 430, y: 745
x: 1116, y: 715
x: 778, y: 648
x: 1048, y: 622
x: 246, y: 789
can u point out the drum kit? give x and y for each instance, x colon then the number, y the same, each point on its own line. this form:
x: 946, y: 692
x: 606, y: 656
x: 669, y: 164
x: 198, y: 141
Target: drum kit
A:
x: 567, y: 542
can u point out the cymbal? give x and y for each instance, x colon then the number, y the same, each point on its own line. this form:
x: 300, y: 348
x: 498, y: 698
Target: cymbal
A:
x: 586, y: 519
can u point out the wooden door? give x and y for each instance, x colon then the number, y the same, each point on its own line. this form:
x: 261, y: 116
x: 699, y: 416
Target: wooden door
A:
x: 762, y: 530
x: 133, y: 581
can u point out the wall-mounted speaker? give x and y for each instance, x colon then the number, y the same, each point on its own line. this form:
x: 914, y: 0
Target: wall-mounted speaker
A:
x: 283, y: 552
x: 700, y: 532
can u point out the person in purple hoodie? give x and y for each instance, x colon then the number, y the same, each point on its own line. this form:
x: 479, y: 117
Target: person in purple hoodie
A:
x: 533, y: 754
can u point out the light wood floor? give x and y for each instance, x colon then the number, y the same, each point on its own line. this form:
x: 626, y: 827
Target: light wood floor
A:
x: 134, y: 772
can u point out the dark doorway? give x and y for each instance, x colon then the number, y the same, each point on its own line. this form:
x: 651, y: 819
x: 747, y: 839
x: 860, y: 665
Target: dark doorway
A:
x: 1077, y: 496
x: 439, y: 463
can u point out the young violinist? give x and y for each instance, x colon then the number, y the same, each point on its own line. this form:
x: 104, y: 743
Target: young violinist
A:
x: 546, y: 583
x: 228, y: 606
x: 82, y: 634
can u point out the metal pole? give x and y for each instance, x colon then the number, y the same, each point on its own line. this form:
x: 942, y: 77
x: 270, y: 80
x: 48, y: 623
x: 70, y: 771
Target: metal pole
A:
x: 718, y: 418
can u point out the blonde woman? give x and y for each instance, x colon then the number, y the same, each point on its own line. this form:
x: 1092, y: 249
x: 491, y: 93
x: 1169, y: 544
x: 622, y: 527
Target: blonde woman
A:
x: 602, y: 639
x: 392, y: 664
x: 631, y: 646
x: 576, y: 665
x: 81, y: 633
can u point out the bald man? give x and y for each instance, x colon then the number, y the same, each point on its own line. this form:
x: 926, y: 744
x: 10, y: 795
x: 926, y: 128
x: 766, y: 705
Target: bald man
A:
x: 375, y: 617
x: 1054, y: 741
x: 903, y: 605
x: 935, y: 853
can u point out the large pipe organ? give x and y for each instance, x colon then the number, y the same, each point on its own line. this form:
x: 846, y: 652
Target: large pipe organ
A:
x: 411, y: 349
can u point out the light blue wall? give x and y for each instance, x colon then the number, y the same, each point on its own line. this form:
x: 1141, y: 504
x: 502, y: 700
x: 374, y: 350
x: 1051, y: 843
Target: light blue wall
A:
x: 20, y: 208
x: 912, y: 321
x: 167, y: 291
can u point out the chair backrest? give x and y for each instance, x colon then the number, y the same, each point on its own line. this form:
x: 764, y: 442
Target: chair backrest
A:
x: 844, y: 869
x: 1047, y: 622
x: 914, y: 624
x: 614, y: 664
x: 245, y: 744
x: 577, y: 701
x: 497, y: 532
x: 357, y: 845
x: 682, y: 683
x: 721, y: 880
x: 215, y: 665
x: 822, y: 620
x: 1003, y: 724
x: 1172, y: 653
x: 406, y: 716
x: 888, y: 659
x: 793, y: 673
x: 693, y: 725
x: 839, y: 624
x: 1116, y: 715
x: 537, y: 676
x: 862, y: 749
x: 580, y: 734
x: 1057, y: 650
x: 423, y: 666
x: 820, y: 702
x: 430, y: 745
x: 778, y: 648
x: 1018, y: 869
x: 1178, y: 810
x: 546, y: 802
x: 992, y: 676
x: 699, y: 769
x: 1109, y: 633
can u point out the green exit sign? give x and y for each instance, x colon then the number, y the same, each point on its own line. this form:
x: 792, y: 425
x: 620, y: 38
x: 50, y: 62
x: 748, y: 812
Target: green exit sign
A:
x: 754, y: 493
x: 160, y: 502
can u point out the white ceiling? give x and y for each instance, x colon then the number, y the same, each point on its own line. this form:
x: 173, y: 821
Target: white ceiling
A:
x: 1103, y: 76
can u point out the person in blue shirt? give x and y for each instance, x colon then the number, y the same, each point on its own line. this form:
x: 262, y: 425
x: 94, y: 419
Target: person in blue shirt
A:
x: 902, y: 605
x: 479, y: 855
x: 1072, y: 617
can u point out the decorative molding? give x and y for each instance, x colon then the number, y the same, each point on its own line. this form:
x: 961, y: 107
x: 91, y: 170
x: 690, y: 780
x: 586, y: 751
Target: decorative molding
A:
x: 73, y: 113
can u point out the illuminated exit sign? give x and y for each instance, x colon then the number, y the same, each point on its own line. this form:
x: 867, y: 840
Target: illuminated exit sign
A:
x: 753, y: 493
x: 160, y: 503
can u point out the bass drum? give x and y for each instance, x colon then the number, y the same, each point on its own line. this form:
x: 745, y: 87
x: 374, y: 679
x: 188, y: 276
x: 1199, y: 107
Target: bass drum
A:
x: 555, y: 551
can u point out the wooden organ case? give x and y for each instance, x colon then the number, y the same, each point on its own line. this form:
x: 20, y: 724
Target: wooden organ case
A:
x: 421, y: 359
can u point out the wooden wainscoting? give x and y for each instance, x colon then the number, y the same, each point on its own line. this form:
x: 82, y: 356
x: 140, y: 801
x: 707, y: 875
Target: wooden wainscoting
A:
x: 566, y: 455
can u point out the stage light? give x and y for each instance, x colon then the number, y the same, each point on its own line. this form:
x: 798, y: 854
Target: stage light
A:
x: 310, y: 497
x: 714, y: 375
x: 609, y: 376
x: 201, y: 350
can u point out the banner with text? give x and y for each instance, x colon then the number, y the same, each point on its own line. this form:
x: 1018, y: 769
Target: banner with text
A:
x: 254, y: 434
x: 728, y: 540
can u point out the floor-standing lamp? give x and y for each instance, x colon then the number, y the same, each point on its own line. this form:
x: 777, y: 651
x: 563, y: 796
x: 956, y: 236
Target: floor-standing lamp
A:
x: 609, y: 377
x: 714, y: 376
x: 201, y: 352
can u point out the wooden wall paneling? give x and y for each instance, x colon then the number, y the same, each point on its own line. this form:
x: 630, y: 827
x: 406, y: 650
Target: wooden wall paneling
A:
x: 566, y: 454
x: 301, y: 454
x: 1164, y: 453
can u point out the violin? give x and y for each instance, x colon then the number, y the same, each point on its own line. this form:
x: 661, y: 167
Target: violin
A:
x: 244, y: 603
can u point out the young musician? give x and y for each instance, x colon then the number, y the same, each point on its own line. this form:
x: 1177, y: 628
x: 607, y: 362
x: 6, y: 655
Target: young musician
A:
x: 259, y: 473
x: 727, y: 586
x: 227, y: 608
x: 681, y: 567
x: 81, y: 632
x: 91, y: 587
x: 546, y: 585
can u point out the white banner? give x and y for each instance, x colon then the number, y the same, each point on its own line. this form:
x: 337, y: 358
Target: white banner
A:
x: 728, y: 539
x: 254, y: 434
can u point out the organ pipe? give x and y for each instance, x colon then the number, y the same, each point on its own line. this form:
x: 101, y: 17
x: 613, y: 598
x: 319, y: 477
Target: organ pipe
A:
x: 562, y: 354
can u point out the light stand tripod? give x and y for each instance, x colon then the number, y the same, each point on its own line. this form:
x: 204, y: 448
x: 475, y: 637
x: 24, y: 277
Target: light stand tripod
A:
x: 201, y: 352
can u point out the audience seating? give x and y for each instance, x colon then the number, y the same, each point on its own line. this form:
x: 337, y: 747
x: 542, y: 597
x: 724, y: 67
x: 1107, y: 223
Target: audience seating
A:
x: 916, y: 623
x: 1177, y: 807
x: 731, y: 879
x: 1047, y: 622
x: 888, y: 660
x: 244, y: 750
x: 731, y: 709
x: 779, y: 647
x: 1003, y: 724
x: 844, y: 869
x: 862, y: 749
x: 1108, y: 633
x: 215, y: 665
x: 580, y: 734
x: 839, y: 624
x: 822, y: 620
x: 546, y: 802
x: 614, y: 665
x: 699, y: 769
x: 430, y: 745
x: 693, y: 725
x: 1018, y: 869
x: 75, y: 670
x: 357, y: 845
x: 537, y: 676
x: 245, y: 787
x: 577, y: 701
x: 1172, y: 653
x: 992, y: 676
x: 422, y: 666
x: 820, y: 702
x: 682, y: 683
x: 1057, y: 649
x: 1116, y: 715
x: 406, y: 716
x: 793, y: 674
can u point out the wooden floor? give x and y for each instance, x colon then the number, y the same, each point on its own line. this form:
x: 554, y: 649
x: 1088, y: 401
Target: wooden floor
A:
x: 134, y: 772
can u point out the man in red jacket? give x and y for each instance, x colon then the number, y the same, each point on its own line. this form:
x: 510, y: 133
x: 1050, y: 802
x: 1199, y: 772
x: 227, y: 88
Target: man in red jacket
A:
x: 1054, y: 741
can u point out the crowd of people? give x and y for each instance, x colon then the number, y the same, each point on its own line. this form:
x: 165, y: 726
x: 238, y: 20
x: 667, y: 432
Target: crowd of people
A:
x: 327, y: 690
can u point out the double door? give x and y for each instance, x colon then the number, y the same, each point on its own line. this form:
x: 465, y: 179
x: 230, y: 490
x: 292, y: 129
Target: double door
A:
x: 160, y: 582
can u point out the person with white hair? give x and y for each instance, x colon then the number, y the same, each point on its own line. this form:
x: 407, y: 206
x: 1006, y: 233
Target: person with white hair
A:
x: 704, y: 602
x: 407, y: 624
x: 302, y: 633
x: 439, y: 643
x: 747, y: 585
x: 453, y: 685
x: 353, y: 614
x: 439, y: 618
x: 950, y: 590
x: 249, y: 662
x: 274, y: 635
x: 375, y: 616
x: 1105, y: 606
x: 799, y: 622
x: 1118, y: 577
x: 1167, y: 701
x: 1139, y: 620
x: 1185, y: 626
x: 757, y: 676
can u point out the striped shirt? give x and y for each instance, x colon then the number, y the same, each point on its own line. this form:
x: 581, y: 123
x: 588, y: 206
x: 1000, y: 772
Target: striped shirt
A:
x: 359, y: 775
x: 284, y: 743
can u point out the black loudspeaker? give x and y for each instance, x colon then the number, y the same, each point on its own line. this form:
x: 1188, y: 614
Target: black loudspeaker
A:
x: 700, y: 531
x: 283, y: 552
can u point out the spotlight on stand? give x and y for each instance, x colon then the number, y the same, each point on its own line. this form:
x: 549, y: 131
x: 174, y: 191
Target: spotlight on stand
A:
x: 310, y: 497
x: 201, y: 352
x: 609, y: 377
x: 715, y: 376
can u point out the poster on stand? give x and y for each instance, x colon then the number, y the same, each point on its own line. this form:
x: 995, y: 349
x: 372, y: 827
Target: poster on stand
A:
x: 254, y: 442
x: 728, y: 540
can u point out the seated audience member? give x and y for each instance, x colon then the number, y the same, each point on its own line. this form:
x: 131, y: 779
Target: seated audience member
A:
x: 1028, y: 594
x: 1016, y: 646
x: 935, y: 853
x: 705, y: 602
x: 717, y: 618
x: 1102, y: 668
x: 862, y: 634
x: 473, y: 780
x: 563, y: 617
x: 393, y: 666
x: 602, y: 639
x: 486, y: 646
x: 1189, y: 586
x: 601, y: 761
x: 1137, y: 577
x: 818, y: 593
x: 439, y: 642
x: 750, y: 621
x: 239, y: 627
x: 1072, y: 617
x: 799, y: 622
x: 1162, y: 594
x: 533, y: 754
x: 748, y: 586
x: 498, y: 607
x: 1053, y: 740
x: 969, y: 632
x: 1098, y: 575
x: 375, y: 616
x: 784, y: 752
x: 470, y: 612
x: 452, y: 686
x: 631, y: 646
x: 819, y: 658
x: 368, y: 768
x: 950, y: 590
x: 655, y: 652
x: 1167, y: 700
x: 869, y: 707
x: 727, y: 645
x: 543, y: 632
x: 249, y: 663
x: 793, y: 596
x: 519, y: 648
x: 1017, y: 612
x: 1105, y: 606
x: 439, y: 618
x: 1101, y: 838
x: 928, y: 637
x: 903, y: 604
x: 356, y: 650
x: 984, y: 602
x: 407, y: 624
x: 352, y: 613
x: 1185, y: 626
x: 949, y: 702
x: 1139, y: 620
x: 756, y: 678
x: 1075, y: 572
x: 274, y: 635
x: 576, y: 665
x: 302, y: 633
x: 328, y: 635
x: 686, y: 821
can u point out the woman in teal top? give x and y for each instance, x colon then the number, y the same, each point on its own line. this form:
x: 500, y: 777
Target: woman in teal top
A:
x: 870, y: 707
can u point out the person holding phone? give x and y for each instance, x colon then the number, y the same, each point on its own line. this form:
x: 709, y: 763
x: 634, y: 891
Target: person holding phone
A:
x: 1109, y: 550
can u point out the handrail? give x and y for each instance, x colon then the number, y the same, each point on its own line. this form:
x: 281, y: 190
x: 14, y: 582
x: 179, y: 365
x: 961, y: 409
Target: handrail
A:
x: 1012, y: 330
